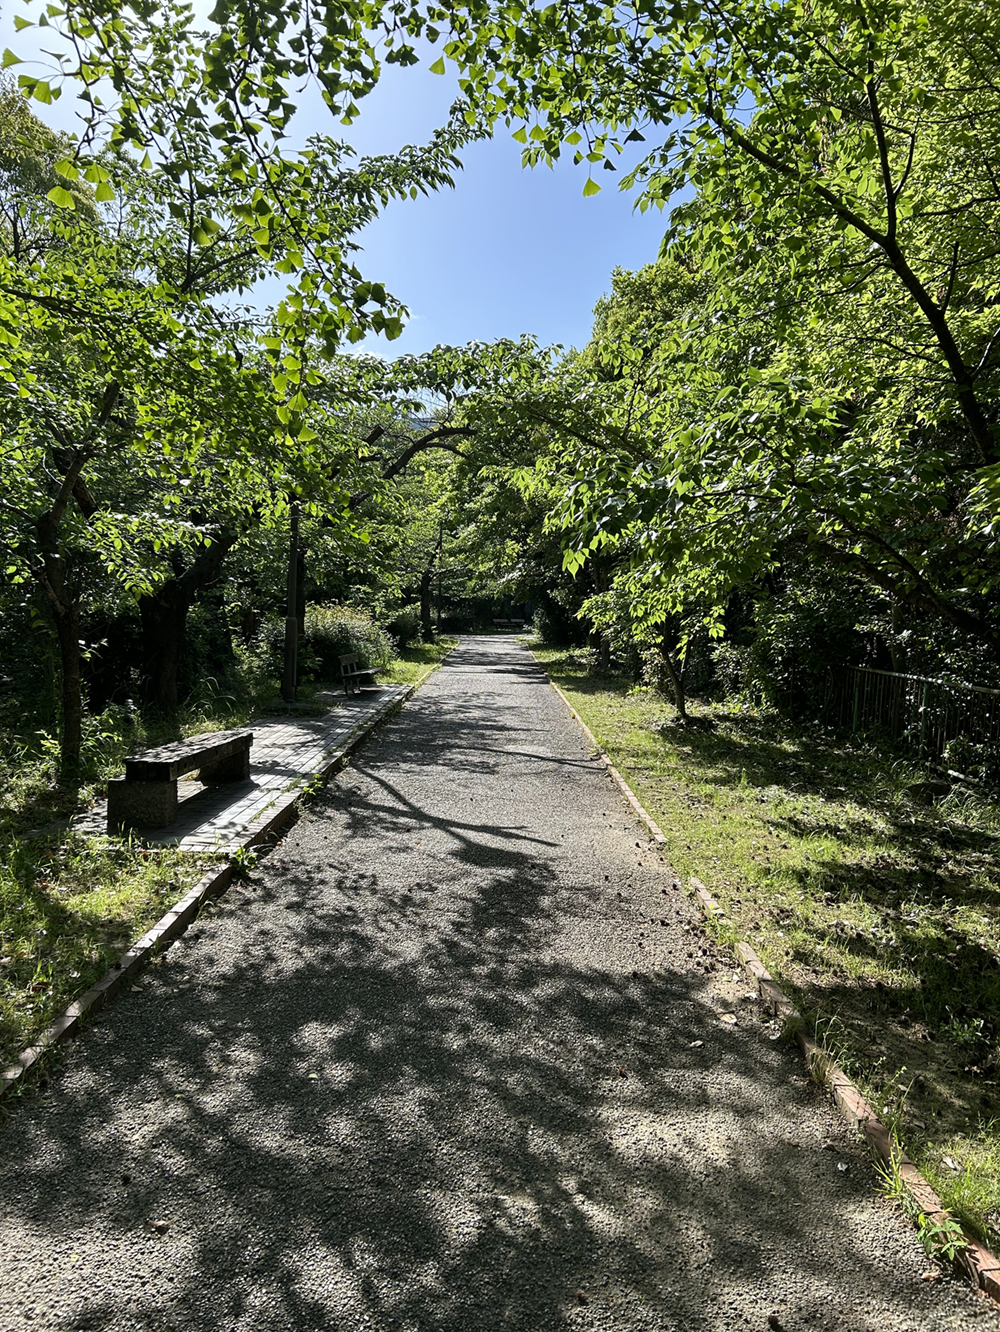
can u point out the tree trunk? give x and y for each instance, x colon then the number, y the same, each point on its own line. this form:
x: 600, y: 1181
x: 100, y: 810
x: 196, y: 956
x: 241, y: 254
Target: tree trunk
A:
x: 45, y: 655
x: 71, y: 739
x: 164, y: 627
x: 300, y: 593
x: 426, y: 622
x: 290, y: 673
x: 164, y: 622
x: 675, y: 683
x: 55, y: 575
x: 63, y: 595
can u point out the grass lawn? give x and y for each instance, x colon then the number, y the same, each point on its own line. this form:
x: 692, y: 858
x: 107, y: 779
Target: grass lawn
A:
x: 69, y: 907
x: 413, y: 661
x: 879, y: 914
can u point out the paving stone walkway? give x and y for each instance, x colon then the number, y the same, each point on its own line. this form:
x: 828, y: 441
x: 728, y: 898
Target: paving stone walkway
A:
x: 285, y: 756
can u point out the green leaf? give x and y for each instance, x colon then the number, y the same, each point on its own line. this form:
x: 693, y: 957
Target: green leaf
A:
x: 36, y: 88
x: 61, y: 198
x: 104, y: 193
x: 590, y: 188
x: 436, y: 68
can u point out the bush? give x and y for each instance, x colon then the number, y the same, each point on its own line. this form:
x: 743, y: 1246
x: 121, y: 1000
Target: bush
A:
x: 337, y: 631
x: 405, y: 626
x: 552, y: 625
x: 734, y: 669
x: 797, y: 631
x: 267, y: 653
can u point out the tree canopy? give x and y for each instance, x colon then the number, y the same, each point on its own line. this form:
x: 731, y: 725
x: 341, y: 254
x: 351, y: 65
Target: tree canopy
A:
x: 808, y: 376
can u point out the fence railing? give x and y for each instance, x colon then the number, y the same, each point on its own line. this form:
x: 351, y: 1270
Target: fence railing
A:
x: 939, y: 719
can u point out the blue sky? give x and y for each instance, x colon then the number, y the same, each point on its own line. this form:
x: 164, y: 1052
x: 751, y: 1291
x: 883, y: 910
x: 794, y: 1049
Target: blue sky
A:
x: 508, y: 251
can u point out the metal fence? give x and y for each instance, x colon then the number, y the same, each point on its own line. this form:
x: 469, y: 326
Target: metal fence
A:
x: 939, y: 719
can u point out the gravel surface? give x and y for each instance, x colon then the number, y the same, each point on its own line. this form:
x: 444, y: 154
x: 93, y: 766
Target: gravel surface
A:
x: 455, y: 1059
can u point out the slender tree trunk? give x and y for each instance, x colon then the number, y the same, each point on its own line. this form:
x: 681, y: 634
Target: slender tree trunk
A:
x: 45, y: 655
x: 300, y: 593
x: 676, y: 684
x: 64, y: 601
x: 426, y: 621
x: 673, y: 675
x: 426, y: 590
x: 68, y: 635
x: 289, y: 677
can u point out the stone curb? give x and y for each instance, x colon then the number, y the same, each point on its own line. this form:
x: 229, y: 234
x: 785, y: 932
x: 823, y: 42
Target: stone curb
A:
x: 977, y: 1264
x: 171, y: 925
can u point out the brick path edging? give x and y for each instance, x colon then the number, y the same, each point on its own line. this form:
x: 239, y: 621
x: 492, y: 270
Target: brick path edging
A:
x: 976, y: 1263
x: 175, y: 921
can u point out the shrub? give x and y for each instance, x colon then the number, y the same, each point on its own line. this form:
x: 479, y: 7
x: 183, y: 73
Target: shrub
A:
x: 552, y: 626
x: 268, y: 650
x: 405, y: 626
x: 733, y: 669
x: 336, y: 631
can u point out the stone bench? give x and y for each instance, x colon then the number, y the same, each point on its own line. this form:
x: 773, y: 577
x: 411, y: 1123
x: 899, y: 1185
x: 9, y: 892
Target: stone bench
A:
x: 146, y: 797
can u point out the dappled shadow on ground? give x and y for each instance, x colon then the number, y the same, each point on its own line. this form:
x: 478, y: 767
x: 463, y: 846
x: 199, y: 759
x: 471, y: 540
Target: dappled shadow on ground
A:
x: 778, y: 759
x: 349, y: 1134
x: 395, y: 1092
x: 924, y: 879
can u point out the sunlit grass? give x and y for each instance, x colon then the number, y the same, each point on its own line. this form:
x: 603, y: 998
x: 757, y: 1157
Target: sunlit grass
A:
x: 880, y: 915
x: 69, y: 907
x: 413, y: 661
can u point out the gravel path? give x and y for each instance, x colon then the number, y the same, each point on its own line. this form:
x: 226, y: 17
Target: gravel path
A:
x: 456, y: 1059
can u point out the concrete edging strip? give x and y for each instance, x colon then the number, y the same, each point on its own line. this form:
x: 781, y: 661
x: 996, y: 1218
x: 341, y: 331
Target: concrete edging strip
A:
x: 175, y: 921
x: 977, y: 1263
x: 160, y: 936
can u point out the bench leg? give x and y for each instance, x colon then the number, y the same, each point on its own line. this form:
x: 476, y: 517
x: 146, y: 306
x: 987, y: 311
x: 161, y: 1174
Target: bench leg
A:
x: 235, y: 768
x: 141, y: 804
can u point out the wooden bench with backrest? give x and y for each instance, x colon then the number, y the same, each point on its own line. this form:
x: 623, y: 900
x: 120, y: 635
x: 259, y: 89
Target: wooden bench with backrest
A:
x: 146, y: 797
x: 508, y: 624
x: 352, y: 675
